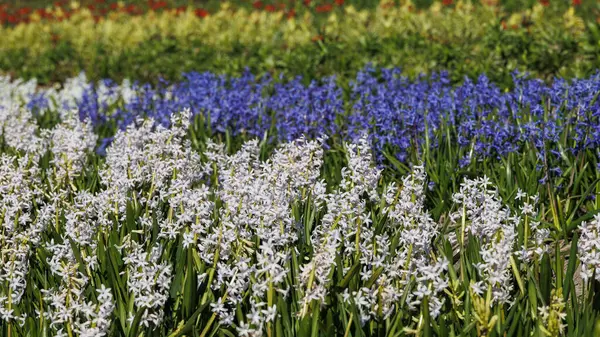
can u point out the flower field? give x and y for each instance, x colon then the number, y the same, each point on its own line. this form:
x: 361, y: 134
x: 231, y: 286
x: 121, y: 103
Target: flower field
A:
x: 315, y: 42
x: 297, y: 187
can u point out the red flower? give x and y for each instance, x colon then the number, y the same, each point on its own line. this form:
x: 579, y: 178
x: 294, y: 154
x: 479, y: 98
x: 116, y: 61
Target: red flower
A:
x: 201, y: 13
x: 130, y: 9
x: 91, y: 8
x: 257, y: 4
x: 43, y: 14
x: 291, y: 13
x: 545, y: 3
x: 24, y: 11
x: 156, y: 5
x: 307, y: 2
x: 324, y: 8
x: 576, y: 2
x: 114, y: 6
x: 339, y: 2
x: 270, y: 8
x: 446, y: 2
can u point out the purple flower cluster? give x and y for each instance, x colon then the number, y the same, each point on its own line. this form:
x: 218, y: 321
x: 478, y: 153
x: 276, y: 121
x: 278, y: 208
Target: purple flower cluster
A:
x: 399, y: 115
x: 404, y: 113
x: 242, y: 105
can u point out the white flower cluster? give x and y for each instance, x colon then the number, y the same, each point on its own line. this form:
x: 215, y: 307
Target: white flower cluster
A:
x: 589, y: 249
x: 66, y: 306
x: 62, y: 98
x: 347, y: 231
x: 535, y: 237
x: 18, y: 130
x: 19, y: 230
x: 148, y: 279
x: 415, y: 230
x: 344, y: 228
x: 257, y: 223
x: 15, y: 91
x: 70, y: 142
x: 151, y: 168
x: 149, y: 164
x: 483, y: 216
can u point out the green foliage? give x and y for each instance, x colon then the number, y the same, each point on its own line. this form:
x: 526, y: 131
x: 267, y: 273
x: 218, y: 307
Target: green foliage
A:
x: 544, y: 47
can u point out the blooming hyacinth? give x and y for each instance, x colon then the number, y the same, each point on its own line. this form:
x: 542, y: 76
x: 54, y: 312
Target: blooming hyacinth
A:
x: 257, y: 207
x: 150, y: 168
x: 66, y: 306
x: 535, y: 237
x: 341, y: 225
x: 284, y: 181
x: 589, y: 249
x: 70, y: 142
x: 148, y: 280
x: 19, y: 130
x: 483, y: 217
x: 20, y: 231
x: 150, y: 164
x: 413, y: 226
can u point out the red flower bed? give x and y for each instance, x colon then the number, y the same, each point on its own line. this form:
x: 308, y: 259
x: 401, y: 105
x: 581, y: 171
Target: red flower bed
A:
x: 99, y: 8
x: 324, y: 8
x: 9, y: 14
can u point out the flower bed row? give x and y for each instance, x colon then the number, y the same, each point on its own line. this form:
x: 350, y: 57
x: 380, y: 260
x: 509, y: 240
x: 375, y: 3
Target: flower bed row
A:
x: 61, y: 10
x: 401, y: 115
x: 172, y: 234
x: 545, y: 137
x: 470, y: 39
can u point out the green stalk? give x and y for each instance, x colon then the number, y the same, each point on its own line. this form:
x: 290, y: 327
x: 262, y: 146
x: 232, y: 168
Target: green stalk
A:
x: 270, y: 304
x: 347, y: 332
x: 212, y: 319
